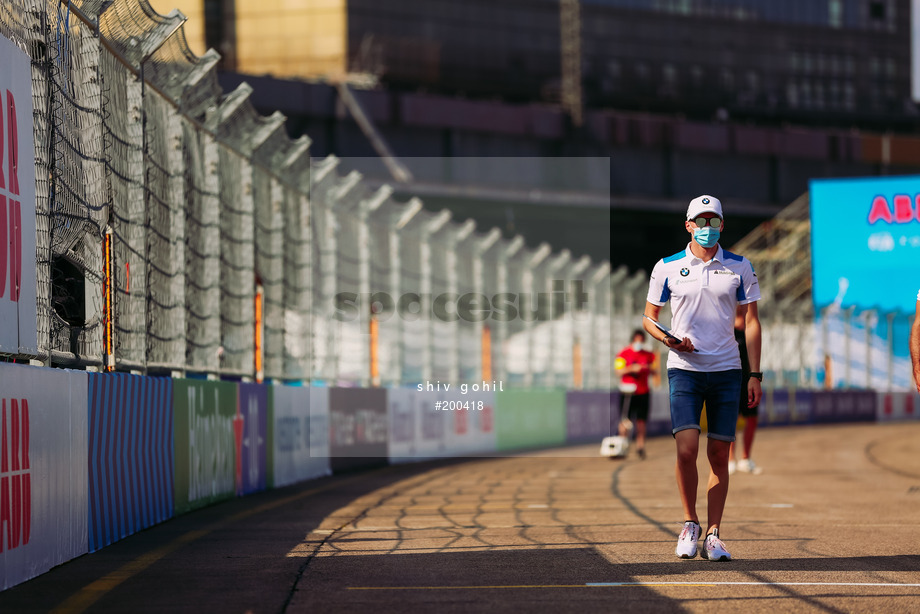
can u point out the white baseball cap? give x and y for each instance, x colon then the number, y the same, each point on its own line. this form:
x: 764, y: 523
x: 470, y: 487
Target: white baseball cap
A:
x: 704, y: 204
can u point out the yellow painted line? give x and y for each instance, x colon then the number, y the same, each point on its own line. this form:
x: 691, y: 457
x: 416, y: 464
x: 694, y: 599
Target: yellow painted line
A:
x: 487, y: 587
x: 92, y: 592
x: 439, y: 588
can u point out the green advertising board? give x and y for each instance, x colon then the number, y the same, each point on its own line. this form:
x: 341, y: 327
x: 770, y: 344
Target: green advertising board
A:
x: 529, y: 418
x: 206, y: 442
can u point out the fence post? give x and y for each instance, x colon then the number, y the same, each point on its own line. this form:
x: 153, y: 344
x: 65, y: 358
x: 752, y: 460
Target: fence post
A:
x: 507, y: 251
x: 427, y: 230
x: 323, y: 178
x: 576, y: 315
x: 403, y: 217
x: 458, y: 235
x: 534, y: 261
x: 298, y: 245
x: 600, y: 289
x: 871, y: 318
x: 847, y: 335
x: 366, y: 207
x: 553, y: 267
x: 889, y: 343
x: 481, y: 245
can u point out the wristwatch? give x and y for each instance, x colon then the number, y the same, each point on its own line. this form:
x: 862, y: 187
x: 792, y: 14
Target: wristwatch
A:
x: 757, y: 375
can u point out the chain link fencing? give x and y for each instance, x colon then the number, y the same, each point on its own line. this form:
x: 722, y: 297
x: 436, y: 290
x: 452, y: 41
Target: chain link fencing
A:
x: 180, y: 231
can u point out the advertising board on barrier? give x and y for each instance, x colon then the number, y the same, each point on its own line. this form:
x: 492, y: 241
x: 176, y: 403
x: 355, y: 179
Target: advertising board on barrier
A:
x: 299, y: 434
x: 357, y: 427
x: 587, y: 416
x: 864, y: 288
x: 897, y: 406
x: 529, y: 418
x: 659, y: 415
x: 431, y: 424
x: 43, y: 476
x: 416, y: 430
x: 470, y: 425
x: 130, y: 455
x: 844, y: 406
x: 776, y: 407
x: 205, y: 442
x: 18, y: 322
x: 250, y: 429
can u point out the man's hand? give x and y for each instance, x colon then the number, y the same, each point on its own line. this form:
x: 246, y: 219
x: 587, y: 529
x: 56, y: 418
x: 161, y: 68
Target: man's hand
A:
x: 755, y: 392
x: 684, y: 346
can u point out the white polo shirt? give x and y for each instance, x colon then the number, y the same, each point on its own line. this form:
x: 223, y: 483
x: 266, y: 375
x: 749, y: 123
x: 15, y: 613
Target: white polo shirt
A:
x: 704, y: 296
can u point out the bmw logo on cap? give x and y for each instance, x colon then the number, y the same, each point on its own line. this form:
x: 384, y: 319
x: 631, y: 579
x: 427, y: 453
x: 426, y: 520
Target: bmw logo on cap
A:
x: 705, y: 201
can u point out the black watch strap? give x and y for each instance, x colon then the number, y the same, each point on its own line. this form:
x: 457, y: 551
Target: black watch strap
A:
x: 756, y: 374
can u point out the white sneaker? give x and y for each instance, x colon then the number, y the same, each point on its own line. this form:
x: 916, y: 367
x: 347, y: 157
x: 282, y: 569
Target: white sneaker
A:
x: 732, y: 466
x: 714, y: 549
x: 686, y: 543
x: 746, y: 465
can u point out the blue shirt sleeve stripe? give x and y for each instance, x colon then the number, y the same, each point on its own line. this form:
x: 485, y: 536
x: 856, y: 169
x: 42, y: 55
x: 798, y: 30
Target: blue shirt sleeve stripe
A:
x: 665, y: 292
x: 676, y: 256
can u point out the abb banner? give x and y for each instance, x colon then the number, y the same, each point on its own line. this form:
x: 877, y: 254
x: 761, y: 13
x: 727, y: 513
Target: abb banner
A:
x: 43, y: 477
x: 299, y: 433
x: 18, y: 328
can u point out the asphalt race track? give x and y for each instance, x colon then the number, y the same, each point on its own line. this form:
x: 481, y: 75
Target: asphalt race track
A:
x: 832, y: 525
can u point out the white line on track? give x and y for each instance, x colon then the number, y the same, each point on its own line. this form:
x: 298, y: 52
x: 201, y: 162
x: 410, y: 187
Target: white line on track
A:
x: 701, y: 583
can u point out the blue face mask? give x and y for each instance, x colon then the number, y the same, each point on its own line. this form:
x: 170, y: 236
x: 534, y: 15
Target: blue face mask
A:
x: 706, y: 237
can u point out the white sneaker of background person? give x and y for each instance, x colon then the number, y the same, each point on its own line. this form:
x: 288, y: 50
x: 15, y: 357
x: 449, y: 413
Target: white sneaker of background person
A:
x: 714, y: 548
x: 686, y: 543
x: 746, y: 465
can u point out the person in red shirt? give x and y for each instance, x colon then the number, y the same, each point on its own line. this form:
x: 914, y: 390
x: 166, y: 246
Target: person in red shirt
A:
x: 634, y: 363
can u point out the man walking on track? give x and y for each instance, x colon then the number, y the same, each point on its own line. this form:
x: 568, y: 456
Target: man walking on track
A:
x: 704, y: 285
x: 915, y: 344
x: 634, y: 364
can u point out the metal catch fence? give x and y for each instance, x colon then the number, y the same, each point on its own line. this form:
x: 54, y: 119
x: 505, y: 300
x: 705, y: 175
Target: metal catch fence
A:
x: 180, y: 231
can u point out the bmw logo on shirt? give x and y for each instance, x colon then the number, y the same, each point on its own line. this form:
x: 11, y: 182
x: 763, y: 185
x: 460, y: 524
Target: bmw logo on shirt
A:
x: 684, y: 272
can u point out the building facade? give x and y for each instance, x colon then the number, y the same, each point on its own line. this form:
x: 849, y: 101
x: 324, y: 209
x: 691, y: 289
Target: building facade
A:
x: 839, y: 62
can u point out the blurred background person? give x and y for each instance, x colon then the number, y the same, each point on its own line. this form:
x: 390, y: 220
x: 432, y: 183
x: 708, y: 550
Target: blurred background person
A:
x: 634, y: 363
x: 745, y: 410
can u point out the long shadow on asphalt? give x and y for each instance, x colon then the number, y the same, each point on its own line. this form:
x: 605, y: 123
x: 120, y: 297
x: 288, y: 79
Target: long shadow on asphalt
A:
x: 227, y: 565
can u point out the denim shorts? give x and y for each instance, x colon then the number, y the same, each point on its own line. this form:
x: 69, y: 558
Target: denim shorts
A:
x: 719, y: 390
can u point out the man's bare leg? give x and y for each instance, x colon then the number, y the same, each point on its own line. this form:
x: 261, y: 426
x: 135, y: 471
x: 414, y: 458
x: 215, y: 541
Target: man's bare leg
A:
x: 688, y: 446
x: 717, y: 451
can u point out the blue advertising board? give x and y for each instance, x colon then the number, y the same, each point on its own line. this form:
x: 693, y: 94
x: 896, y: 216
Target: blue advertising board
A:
x: 252, y: 451
x: 130, y: 455
x: 865, y: 242
x: 865, y: 246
